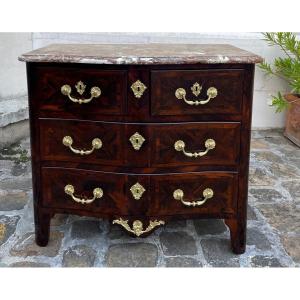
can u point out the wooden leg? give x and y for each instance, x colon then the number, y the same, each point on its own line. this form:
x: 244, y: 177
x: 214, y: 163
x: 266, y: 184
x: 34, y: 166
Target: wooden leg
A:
x: 237, y: 234
x: 42, y: 228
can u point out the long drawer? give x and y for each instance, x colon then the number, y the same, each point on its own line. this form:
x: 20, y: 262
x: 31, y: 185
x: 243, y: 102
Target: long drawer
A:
x: 205, y: 193
x: 140, y: 145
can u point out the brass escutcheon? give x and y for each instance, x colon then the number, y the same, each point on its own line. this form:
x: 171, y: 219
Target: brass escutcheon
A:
x: 137, y: 141
x: 138, y: 89
x: 137, y: 191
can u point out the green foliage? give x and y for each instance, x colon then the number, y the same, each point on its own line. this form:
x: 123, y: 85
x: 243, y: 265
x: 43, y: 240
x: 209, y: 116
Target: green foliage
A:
x: 279, y: 102
x: 287, y: 68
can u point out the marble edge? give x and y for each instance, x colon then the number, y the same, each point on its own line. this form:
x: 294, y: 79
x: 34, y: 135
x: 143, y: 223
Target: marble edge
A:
x: 124, y: 60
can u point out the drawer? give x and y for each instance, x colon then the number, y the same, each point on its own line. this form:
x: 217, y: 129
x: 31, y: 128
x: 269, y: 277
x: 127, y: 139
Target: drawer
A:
x: 213, y: 193
x: 195, y: 144
x: 187, y: 92
x: 80, y: 92
x: 81, y: 141
x: 207, y: 193
x: 104, y: 193
x: 140, y: 145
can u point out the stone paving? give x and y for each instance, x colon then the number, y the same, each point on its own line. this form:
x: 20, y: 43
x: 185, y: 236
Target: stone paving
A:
x: 273, y: 226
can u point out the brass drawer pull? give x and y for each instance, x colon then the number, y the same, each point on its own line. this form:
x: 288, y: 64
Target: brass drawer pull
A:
x: 97, y: 192
x: 209, y: 145
x: 80, y: 87
x: 68, y: 141
x: 211, y: 93
x: 137, y: 226
x: 207, y: 194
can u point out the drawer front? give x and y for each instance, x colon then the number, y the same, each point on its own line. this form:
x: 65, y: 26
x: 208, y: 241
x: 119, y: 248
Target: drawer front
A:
x: 213, y: 193
x: 196, y: 144
x: 80, y: 92
x: 209, y: 193
x: 81, y: 141
x: 140, y: 145
x: 185, y: 92
x: 119, y: 194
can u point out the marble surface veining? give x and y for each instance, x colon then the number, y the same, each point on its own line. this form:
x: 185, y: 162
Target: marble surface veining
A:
x: 144, y: 54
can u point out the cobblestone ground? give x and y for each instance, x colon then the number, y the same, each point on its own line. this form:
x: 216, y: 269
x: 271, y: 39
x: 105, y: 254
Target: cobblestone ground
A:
x: 273, y: 226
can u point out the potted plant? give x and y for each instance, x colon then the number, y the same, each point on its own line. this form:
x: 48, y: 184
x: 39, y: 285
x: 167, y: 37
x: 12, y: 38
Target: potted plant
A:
x: 288, y: 68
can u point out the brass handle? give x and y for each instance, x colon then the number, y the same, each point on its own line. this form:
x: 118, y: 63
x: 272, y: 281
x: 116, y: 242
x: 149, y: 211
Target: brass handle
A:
x: 97, y: 192
x: 207, y: 194
x: 68, y: 141
x: 66, y: 90
x: 180, y: 94
x: 209, y: 145
x: 137, y: 226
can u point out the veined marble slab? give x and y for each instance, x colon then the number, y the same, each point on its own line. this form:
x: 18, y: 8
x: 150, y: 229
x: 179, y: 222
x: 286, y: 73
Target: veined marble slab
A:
x: 141, y: 54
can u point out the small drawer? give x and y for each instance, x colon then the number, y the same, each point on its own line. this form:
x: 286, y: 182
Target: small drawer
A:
x: 195, y: 144
x: 187, y: 92
x: 81, y: 141
x: 75, y: 92
x: 207, y: 193
x: 83, y: 190
x: 106, y: 193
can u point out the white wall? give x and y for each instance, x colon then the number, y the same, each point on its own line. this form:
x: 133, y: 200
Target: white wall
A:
x: 12, y: 74
x: 13, y: 84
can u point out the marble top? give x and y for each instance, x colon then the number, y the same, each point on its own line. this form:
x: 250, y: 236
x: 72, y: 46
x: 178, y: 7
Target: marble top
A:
x: 141, y: 54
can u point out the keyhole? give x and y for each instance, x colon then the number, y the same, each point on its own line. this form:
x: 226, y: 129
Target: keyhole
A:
x: 137, y: 141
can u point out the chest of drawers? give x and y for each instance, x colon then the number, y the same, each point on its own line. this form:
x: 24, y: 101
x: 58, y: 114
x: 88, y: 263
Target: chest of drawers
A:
x: 141, y: 134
